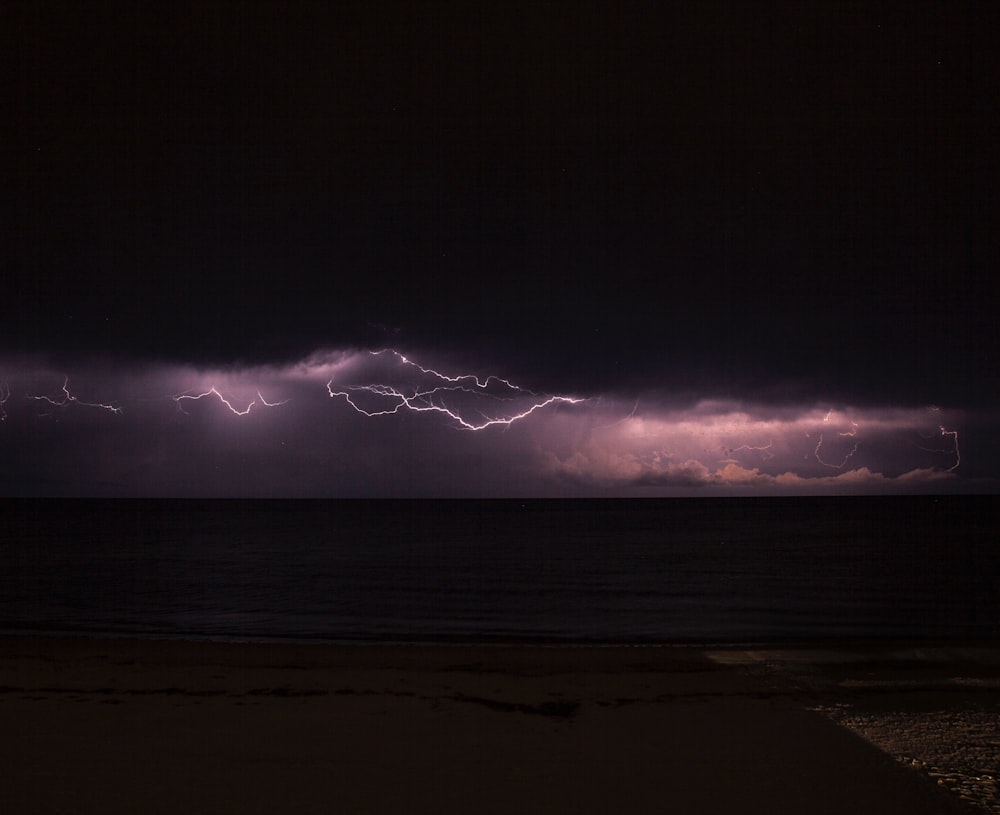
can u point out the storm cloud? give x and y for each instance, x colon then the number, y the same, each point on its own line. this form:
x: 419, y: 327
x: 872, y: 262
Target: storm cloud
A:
x: 380, y: 423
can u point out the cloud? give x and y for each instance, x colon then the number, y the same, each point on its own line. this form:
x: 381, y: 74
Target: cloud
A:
x: 613, y: 470
x: 716, y: 446
x: 627, y: 472
x: 349, y: 422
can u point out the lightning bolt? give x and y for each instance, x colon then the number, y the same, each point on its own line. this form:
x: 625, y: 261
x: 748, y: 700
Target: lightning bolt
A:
x: 763, y: 449
x: 663, y: 441
x: 435, y: 399
x: 958, y: 454
x: 444, y: 377
x: 852, y: 433
x: 944, y: 432
x: 213, y: 391
x: 69, y: 399
x: 847, y: 458
x: 265, y: 403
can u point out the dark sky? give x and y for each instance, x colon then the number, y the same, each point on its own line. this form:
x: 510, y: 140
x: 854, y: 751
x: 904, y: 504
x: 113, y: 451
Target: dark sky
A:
x: 781, y: 203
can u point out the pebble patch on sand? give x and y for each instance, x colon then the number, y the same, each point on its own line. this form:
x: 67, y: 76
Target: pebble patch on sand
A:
x: 959, y: 749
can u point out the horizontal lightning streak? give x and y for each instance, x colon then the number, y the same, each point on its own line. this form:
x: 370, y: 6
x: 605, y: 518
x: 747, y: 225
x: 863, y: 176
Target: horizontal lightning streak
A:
x: 265, y: 403
x: 69, y: 399
x: 423, y: 402
x: 629, y: 449
x: 430, y: 371
x: 764, y: 449
x: 432, y: 400
x: 213, y: 391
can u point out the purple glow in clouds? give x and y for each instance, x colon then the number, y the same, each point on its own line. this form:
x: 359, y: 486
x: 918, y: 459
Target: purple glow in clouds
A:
x: 468, y: 401
x: 362, y: 423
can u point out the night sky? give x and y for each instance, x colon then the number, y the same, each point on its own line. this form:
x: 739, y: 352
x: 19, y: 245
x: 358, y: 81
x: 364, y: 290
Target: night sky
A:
x: 749, y: 248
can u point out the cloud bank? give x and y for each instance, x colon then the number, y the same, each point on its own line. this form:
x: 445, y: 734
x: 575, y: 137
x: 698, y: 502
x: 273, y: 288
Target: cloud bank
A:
x: 359, y: 423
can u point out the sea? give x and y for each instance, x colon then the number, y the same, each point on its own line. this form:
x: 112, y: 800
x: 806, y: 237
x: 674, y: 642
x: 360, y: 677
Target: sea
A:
x: 569, y: 572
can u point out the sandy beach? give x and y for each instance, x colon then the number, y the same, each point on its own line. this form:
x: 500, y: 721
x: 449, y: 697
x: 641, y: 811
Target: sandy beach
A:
x: 109, y: 726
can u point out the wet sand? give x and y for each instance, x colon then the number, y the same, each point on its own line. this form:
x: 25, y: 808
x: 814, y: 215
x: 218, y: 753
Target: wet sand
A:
x: 109, y: 726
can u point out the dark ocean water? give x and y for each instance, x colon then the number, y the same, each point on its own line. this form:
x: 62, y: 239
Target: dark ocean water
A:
x: 610, y: 571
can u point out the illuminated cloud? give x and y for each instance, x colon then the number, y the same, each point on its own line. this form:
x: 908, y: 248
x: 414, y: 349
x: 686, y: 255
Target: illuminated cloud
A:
x: 727, y: 446
x: 373, y: 423
x: 469, y: 401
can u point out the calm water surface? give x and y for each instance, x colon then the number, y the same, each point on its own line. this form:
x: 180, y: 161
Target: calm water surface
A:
x: 611, y: 571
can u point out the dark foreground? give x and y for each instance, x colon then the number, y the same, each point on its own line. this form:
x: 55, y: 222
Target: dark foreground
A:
x: 109, y: 726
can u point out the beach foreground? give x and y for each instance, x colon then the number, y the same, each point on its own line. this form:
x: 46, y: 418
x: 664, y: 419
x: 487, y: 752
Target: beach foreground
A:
x: 108, y: 726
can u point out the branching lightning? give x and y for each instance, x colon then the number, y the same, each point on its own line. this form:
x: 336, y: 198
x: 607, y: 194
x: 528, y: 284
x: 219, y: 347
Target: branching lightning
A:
x: 437, y: 397
x: 601, y: 442
x: 69, y: 399
x: 482, y: 384
x: 213, y: 391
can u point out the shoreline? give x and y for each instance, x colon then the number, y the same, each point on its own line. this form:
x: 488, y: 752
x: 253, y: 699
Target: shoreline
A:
x: 121, y: 725
x: 833, y: 642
